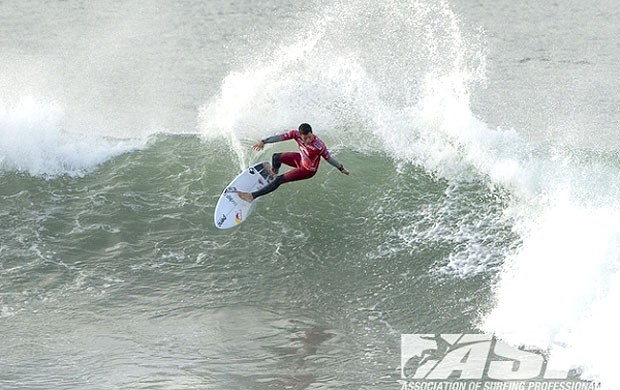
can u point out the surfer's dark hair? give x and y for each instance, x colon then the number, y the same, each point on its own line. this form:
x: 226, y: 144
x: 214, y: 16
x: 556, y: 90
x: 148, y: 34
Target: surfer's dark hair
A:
x: 305, y: 128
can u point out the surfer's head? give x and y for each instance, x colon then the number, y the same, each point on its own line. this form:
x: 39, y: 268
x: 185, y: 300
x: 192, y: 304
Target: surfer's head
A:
x: 305, y: 128
x: 306, y: 133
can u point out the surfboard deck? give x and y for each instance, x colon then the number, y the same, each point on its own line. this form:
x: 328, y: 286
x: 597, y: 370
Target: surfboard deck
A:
x: 230, y: 210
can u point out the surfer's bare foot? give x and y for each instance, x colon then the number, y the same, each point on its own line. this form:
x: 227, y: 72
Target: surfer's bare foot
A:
x: 246, y: 196
x: 270, y: 169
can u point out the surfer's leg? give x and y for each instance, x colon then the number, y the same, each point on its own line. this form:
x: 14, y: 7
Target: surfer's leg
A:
x: 298, y: 174
x: 292, y: 159
x: 268, y: 188
x: 293, y: 175
x: 276, y: 163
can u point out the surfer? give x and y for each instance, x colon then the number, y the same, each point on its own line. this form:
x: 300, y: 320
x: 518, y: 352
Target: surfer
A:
x: 306, y: 161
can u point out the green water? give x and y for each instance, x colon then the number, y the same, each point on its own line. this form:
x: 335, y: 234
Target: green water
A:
x: 122, y: 267
x: 483, y: 194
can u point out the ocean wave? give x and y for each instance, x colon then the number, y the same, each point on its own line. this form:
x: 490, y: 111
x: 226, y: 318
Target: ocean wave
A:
x: 561, y: 282
x: 32, y: 140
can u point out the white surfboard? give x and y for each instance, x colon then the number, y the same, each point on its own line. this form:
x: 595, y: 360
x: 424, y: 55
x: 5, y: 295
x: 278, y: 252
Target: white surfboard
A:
x: 231, y: 210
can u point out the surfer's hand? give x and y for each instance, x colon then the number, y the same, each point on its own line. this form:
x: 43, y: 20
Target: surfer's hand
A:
x: 259, y: 145
x: 345, y: 171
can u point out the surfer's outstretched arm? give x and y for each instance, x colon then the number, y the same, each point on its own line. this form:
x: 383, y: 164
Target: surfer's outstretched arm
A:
x: 335, y: 162
x: 269, y: 140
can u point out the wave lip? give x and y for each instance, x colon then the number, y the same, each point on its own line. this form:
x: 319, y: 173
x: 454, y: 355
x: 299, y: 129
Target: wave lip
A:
x: 32, y: 140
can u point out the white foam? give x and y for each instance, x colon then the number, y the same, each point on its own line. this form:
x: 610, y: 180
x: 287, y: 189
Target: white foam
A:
x: 32, y: 140
x: 562, y: 286
x: 277, y: 96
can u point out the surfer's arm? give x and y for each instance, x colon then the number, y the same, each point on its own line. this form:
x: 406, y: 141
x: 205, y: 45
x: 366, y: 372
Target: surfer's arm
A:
x: 269, y: 140
x: 273, y: 139
x: 334, y: 162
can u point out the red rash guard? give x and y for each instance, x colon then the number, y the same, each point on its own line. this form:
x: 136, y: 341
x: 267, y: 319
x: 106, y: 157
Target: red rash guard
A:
x: 310, y: 153
x: 305, y: 162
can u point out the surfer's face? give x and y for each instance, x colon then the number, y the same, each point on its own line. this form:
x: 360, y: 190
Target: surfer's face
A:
x: 306, y: 138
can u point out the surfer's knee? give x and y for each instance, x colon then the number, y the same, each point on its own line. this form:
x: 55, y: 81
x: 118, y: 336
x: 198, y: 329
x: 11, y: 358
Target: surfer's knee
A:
x: 276, y: 162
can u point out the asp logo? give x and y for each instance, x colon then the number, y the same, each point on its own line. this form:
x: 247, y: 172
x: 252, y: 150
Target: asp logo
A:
x: 471, y: 357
